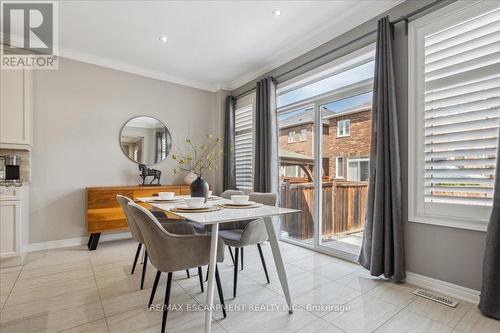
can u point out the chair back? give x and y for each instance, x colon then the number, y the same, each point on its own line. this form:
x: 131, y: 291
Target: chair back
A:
x: 134, y: 229
x: 170, y: 252
x: 255, y: 231
x: 268, y: 199
x: 155, y: 236
x: 228, y: 193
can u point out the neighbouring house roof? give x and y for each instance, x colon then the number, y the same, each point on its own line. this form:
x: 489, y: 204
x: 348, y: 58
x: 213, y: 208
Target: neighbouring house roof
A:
x: 307, y: 116
x: 333, y: 114
x: 300, y: 118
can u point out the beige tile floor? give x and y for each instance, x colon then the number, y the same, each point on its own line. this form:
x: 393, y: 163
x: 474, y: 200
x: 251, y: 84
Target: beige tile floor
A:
x: 73, y: 290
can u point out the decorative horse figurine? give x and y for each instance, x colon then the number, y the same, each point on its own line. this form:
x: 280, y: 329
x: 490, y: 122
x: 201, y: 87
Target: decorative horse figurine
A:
x: 147, y: 172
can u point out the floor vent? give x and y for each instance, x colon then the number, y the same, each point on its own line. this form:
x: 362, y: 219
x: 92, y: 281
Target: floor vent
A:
x: 435, y: 297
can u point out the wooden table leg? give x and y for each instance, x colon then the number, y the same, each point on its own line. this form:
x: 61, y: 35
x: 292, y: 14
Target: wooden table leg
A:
x: 211, y: 277
x: 278, y: 261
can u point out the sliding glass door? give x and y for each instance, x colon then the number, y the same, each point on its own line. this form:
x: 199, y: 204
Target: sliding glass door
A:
x: 344, y: 187
x: 324, y: 144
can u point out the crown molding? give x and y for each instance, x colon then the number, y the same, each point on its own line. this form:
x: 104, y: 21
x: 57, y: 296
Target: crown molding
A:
x: 133, y: 69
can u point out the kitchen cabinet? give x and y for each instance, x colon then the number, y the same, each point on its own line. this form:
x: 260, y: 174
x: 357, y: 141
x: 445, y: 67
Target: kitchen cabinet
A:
x: 13, y: 221
x: 16, y: 89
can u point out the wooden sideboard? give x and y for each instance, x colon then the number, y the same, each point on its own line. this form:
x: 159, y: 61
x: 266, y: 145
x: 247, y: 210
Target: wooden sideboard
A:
x: 104, y: 214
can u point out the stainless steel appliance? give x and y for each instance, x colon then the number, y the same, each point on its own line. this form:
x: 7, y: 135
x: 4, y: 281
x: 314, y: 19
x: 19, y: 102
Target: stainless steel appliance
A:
x: 2, y: 168
x: 11, y: 175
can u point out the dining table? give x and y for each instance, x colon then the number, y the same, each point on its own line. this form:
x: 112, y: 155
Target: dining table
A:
x: 226, y: 215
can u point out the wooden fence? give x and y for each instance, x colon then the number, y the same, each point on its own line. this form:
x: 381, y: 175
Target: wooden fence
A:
x: 344, y: 208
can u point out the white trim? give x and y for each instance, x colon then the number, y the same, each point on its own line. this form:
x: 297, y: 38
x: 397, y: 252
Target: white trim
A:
x: 447, y: 288
x: 141, y: 71
x: 76, y: 241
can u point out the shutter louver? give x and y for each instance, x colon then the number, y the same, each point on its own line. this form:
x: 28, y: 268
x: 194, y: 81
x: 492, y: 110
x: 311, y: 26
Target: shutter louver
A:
x: 462, y: 111
x: 244, y: 147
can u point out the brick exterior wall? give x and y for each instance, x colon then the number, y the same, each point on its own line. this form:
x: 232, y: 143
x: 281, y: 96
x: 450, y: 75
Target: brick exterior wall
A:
x: 357, y: 144
x: 303, y: 147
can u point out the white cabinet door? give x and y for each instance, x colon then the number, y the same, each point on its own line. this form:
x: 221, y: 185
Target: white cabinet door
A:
x: 15, y: 89
x: 10, y: 233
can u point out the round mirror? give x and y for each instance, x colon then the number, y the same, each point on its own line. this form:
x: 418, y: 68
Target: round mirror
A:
x: 145, y: 140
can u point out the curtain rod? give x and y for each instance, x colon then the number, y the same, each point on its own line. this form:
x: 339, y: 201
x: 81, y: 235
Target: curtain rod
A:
x: 405, y: 18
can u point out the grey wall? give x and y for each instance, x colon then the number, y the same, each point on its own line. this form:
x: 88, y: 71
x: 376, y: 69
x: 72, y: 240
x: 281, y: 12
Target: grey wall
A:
x: 78, y: 112
x: 448, y: 254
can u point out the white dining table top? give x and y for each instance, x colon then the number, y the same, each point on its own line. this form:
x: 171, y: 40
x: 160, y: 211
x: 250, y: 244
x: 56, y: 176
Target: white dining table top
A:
x: 220, y: 216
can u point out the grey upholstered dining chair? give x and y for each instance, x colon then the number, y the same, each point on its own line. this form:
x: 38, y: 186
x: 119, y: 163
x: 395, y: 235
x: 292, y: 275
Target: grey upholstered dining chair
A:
x: 137, y: 236
x: 170, y: 251
x: 251, y: 233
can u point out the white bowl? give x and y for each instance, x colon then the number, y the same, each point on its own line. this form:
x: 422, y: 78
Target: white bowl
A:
x: 210, y: 193
x: 166, y: 195
x: 240, y: 199
x: 194, y: 202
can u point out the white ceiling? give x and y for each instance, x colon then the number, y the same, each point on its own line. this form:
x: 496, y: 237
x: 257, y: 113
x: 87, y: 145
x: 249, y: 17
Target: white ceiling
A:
x: 211, y: 44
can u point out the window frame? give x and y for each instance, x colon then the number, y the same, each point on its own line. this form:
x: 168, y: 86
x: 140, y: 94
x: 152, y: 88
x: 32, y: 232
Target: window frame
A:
x: 347, y: 128
x: 419, y: 211
x: 291, y: 137
x: 358, y: 160
x: 337, y: 167
x: 303, y: 138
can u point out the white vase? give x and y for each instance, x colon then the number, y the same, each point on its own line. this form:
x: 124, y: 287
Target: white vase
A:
x: 190, y: 177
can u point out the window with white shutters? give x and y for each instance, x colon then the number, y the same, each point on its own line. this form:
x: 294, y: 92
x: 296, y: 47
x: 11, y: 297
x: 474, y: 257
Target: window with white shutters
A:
x: 455, y: 98
x: 244, y: 146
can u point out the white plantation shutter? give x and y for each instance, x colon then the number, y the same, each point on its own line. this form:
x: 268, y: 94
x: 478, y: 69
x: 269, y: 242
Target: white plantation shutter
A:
x: 462, y: 110
x: 244, y: 147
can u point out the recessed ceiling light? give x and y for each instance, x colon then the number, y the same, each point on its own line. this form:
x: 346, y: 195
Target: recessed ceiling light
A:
x: 276, y: 12
x: 164, y: 39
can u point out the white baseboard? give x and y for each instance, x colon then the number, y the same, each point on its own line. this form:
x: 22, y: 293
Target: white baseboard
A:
x: 443, y: 287
x: 76, y: 241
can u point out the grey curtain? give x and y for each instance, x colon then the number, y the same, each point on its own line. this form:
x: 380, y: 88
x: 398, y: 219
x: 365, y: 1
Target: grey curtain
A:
x: 229, y: 168
x: 382, y: 250
x: 490, y: 289
x: 266, y: 138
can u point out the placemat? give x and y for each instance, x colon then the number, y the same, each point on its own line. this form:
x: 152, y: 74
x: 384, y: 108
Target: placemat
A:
x: 229, y: 206
x: 199, y: 210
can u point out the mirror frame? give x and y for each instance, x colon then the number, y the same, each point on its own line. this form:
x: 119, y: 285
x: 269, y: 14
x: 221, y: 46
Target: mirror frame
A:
x: 169, y: 146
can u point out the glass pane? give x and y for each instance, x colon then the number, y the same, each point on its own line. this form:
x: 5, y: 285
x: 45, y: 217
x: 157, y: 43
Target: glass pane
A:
x: 340, y: 80
x: 352, y: 174
x: 296, y: 174
x: 344, y: 199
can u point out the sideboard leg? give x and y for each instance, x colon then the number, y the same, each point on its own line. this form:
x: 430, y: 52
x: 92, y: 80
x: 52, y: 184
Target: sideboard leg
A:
x: 93, y: 241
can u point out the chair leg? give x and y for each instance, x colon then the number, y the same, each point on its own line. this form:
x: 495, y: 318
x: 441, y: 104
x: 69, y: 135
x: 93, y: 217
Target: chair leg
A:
x: 219, y: 289
x: 242, y: 258
x: 231, y: 253
x: 187, y: 273
x: 153, y: 291
x: 144, y: 266
x: 200, y: 276
x: 263, y: 262
x: 167, y: 301
x: 236, y: 268
x: 136, y: 257
x: 206, y: 279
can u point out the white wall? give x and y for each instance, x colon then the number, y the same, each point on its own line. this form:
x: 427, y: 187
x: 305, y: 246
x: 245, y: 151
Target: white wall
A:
x: 78, y: 112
